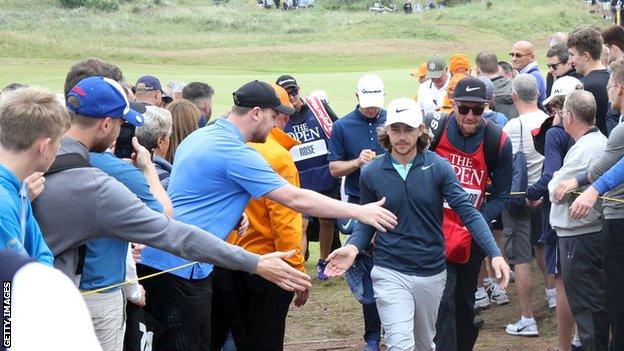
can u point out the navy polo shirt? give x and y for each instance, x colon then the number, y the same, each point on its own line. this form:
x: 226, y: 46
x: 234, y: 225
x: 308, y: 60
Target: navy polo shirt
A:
x: 214, y: 176
x: 352, y: 134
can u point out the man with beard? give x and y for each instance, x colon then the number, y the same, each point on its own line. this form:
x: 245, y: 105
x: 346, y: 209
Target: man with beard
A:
x: 473, y: 146
x: 82, y: 203
x: 213, y: 178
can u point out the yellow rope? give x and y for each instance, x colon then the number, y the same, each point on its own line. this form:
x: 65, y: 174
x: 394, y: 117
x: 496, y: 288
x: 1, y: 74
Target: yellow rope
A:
x: 137, y: 280
x: 605, y: 198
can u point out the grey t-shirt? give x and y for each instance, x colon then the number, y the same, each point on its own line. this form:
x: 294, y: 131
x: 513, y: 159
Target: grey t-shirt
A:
x: 611, y: 155
x: 82, y: 204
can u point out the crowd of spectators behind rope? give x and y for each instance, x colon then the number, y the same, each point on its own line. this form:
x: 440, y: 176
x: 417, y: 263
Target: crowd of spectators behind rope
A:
x: 111, y: 179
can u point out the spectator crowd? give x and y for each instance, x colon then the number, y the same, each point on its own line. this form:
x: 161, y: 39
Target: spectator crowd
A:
x: 445, y: 197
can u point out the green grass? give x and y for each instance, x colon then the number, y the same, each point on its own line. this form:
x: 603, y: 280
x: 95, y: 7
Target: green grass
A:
x: 230, y: 44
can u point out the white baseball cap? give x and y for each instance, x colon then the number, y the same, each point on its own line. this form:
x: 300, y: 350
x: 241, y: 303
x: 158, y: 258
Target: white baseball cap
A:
x: 404, y: 110
x: 562, y: 86
x: 370, y: 91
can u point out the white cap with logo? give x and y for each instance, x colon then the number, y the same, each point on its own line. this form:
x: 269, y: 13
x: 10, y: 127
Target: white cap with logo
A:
x: 562, y: 86
x: 370, y: 91
x: 404, y: 110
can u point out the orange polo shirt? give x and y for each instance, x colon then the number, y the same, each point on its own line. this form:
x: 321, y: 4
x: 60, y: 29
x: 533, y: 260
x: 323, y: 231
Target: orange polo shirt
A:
x: 274, y: 227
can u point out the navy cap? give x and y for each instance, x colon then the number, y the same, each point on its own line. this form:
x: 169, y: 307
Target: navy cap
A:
x: 100, y: 97
x: 286, y: 81
x: 148, y: 83
x: 260, y: 94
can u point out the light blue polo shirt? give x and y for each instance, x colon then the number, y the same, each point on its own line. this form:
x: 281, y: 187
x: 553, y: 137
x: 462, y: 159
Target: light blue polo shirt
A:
x: 19, y: 231
x: 105, y: 258
x: 214, y: 176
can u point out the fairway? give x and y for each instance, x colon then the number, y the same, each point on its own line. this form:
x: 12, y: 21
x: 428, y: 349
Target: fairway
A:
x: 233, y: 43
x: 340, y: 86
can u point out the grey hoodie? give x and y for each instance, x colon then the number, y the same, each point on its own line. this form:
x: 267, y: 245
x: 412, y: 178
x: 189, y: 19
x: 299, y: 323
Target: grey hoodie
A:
x: 83, y: 204
x: 585, y: 151
x: 503, y: 102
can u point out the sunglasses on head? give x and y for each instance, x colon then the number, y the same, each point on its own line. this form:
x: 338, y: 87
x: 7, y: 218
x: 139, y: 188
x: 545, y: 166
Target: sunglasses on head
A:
x: 476, y: 110
x: 293, y: 92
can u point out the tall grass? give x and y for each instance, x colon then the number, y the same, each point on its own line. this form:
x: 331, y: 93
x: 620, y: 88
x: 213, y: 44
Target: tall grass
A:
x: 239, y: 35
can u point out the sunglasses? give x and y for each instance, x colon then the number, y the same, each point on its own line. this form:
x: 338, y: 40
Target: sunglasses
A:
x: 518, y: 55
x: 555, y: 65
x: 293, y: 92
x: 476, y: 110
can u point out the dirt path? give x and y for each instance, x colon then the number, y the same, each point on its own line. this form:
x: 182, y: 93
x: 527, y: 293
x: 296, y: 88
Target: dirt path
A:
x: 332, y: 320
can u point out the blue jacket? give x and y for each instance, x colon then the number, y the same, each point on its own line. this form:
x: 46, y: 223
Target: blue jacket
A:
x: 541, y: 83
x: 555, y: 148
x: 19, y: 231
x: 416, y: 245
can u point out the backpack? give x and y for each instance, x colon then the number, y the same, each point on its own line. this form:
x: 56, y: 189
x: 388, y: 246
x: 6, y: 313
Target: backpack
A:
x: 438, y: 121
x: 519, y: 180
x: 457, y: 243
x: 63, y: 163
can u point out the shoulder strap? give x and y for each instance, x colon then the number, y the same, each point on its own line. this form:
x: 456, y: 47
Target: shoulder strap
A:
x: 437, y: 122
x: 318, y: 110
x: 63, y: 163
x: 67, y: 161
x: 493, y: 142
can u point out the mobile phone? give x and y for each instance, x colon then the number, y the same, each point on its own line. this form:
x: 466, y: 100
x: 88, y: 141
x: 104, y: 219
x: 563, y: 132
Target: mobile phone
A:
x: 123, y: 145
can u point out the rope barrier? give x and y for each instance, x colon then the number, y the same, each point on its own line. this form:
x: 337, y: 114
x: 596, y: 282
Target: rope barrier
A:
x: 131, y: 281
x: 604, y: 198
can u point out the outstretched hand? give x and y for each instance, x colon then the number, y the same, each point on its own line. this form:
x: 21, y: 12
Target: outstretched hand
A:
x: 273, y: 268
x: 375, y: 215
x: 340, y: 260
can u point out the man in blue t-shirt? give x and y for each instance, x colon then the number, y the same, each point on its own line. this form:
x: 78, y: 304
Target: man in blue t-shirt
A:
x: 214, y: 177
x: 354, y: 144
x: 31, y: 129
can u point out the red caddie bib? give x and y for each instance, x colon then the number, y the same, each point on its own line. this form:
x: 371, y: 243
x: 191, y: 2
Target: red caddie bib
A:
x: 472, y: 172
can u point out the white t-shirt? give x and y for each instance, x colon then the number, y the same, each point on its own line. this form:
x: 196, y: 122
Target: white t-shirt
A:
x: 431, y: 98
x: 529, y: 122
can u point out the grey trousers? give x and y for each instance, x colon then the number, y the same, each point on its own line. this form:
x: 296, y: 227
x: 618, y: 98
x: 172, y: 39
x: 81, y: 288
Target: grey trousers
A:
x: 108, y: 314
x: 408, y: 307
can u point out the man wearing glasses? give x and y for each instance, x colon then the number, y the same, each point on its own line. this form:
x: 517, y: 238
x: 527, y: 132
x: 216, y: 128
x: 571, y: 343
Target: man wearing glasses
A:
x: 522, y: 56
x: 312, y: 125
x: 465, y: 139
x: 559, y: 64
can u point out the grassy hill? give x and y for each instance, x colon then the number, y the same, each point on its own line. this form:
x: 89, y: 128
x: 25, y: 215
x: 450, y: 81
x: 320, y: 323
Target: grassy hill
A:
x: 229, y: 44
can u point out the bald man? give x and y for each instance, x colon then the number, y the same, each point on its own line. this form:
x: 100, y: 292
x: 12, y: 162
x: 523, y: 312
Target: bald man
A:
x: 523, y: 60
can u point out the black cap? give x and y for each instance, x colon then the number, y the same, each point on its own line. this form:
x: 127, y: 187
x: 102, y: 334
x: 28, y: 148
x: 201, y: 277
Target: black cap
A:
x: 471, y: 90
x: 285, y: 81
x: 260, y: 94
